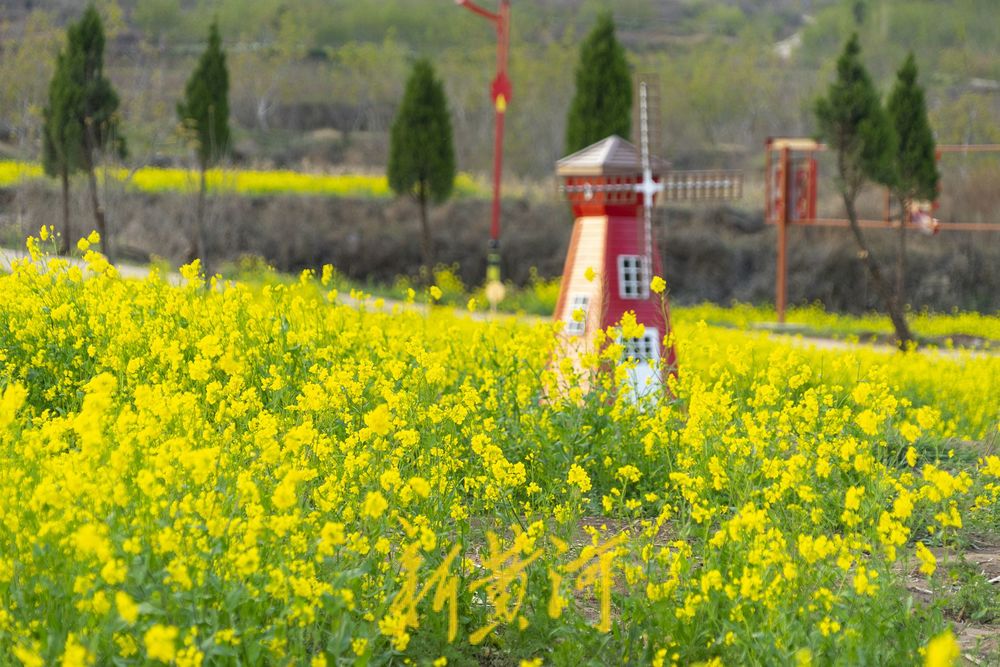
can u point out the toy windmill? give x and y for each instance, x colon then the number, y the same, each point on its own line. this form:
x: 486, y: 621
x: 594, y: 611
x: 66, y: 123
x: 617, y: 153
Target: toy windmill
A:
x: 613, y: 187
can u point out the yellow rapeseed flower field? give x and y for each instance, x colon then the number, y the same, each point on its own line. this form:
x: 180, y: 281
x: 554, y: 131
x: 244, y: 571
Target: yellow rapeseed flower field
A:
x: 227, y: 474
x: 240, y: 181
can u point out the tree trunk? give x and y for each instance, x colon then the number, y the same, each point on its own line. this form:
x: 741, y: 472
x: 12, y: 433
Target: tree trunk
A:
x: 201, y: 243
x: 427, y: 247
x: 64, y: 245
x: 895, y: 310
x: 99, y: 220
x: 904, y: 216
x: 95, y: 201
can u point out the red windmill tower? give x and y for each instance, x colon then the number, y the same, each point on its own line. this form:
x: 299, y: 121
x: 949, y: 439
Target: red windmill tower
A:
x: 613, y: 187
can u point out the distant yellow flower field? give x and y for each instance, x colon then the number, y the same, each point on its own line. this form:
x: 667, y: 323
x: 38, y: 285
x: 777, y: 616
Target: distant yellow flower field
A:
x: 817, y: 319
x: 247, y: 182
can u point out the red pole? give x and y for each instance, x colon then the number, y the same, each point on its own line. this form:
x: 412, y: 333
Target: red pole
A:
x: 782, y: 262
x: 501, y: 92
x: 501, y: 96
x: 768, y: 193
x: 497, y: 170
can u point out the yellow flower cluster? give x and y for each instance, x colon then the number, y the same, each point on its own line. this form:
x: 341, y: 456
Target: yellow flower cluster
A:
x: 267, y: 476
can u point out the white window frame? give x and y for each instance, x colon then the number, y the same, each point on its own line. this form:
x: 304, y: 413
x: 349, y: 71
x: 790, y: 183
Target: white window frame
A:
x: 581, y: 301
x: 644, y: 375
x: 645, y: 349
x: 633, y: 277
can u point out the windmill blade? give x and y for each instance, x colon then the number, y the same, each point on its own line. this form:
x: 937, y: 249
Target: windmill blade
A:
x: 646, y: 134
x: 705, y: 185
x: 647, y: 84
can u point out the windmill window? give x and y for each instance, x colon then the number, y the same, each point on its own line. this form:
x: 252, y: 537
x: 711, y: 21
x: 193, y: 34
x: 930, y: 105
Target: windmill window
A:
x: 577, y: 302
x: 633, y: 277
x: 645, y: 348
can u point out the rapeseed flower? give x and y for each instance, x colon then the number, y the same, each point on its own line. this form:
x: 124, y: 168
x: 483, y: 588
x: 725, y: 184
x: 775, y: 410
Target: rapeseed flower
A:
x: 578, y: 477
x: 374, y: 506
x: 942, y: 650
x: 159, y: 642
x: 127, y: 608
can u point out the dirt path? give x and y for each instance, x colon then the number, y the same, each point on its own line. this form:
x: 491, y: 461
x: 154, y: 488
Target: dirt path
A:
x: 798, y: 340
x: 969, y: 598
x: 132, y: 271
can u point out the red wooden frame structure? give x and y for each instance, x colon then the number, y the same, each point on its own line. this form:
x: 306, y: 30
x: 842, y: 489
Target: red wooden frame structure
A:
x: 790, y: 188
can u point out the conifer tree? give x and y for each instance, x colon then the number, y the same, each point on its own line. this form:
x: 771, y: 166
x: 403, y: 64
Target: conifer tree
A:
x: 602, y: 104
x: 421, y: 156
x: 916, y: 165
x: 853, y: 123
x: 204, y: 115
x: 61, y: 138
x: 94, y: 109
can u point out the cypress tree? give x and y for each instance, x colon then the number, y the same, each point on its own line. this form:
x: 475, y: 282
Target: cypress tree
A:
x: 94, y: 111
x: 421, y: 156
x: 61, y: 137
x: 602, y: 104
x: 854, y: 124
x: 204, y: 115
x: 916, y: 164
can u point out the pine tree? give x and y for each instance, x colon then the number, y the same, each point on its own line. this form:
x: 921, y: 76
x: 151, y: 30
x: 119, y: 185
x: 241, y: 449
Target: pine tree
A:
x: 421, y: 156
x: 204, y: 115
x: 94, y: 110
x: 602, y: 105
x: 61, y: 138
x: 854, y: 124
x: 916, y: 164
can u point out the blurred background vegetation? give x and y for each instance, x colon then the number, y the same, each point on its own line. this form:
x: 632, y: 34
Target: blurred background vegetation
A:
x: 316, y: 82
x: 315, y: 85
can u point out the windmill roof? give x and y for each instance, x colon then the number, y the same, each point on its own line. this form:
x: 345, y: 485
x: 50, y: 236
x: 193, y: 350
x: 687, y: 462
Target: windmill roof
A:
x: 609, y: 157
